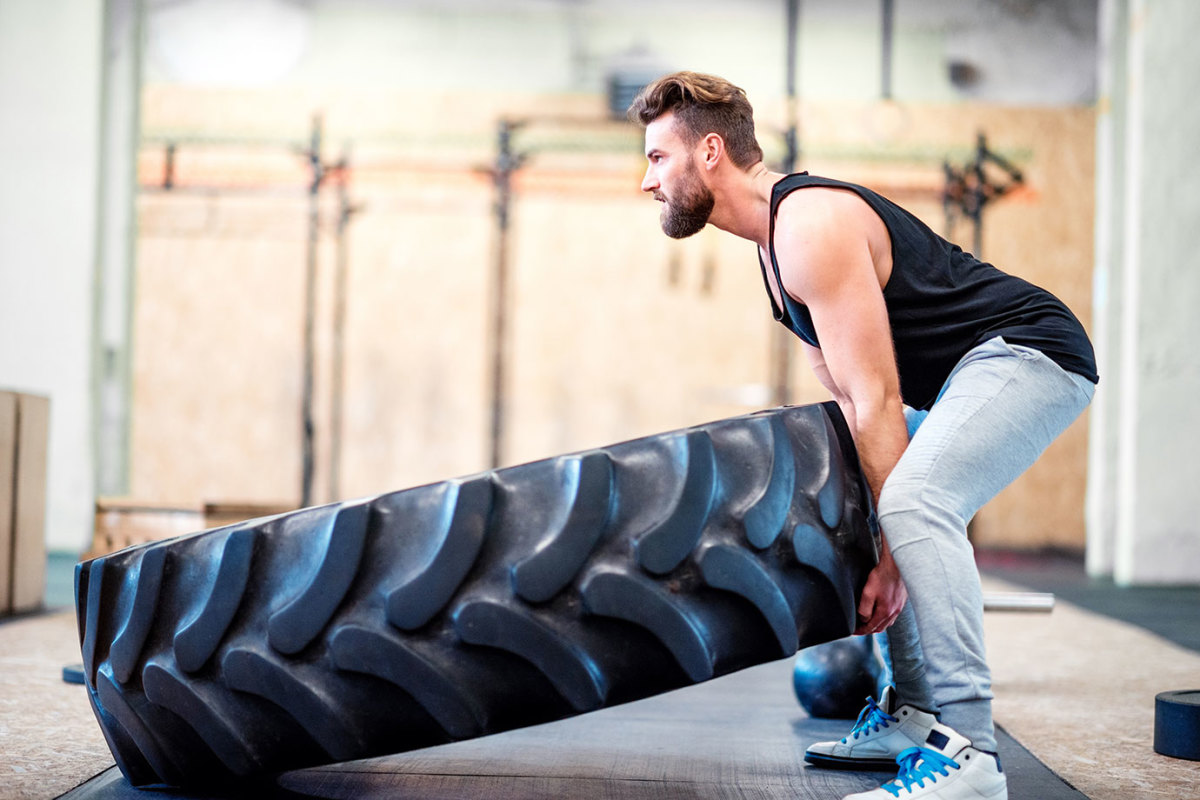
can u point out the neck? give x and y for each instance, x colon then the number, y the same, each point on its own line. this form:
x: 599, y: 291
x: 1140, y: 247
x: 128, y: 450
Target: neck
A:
x: 743, y: 203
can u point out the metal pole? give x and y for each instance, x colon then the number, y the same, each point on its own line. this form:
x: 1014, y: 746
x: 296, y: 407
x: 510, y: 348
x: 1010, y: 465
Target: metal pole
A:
x: 792, y: 154
x: 341, y: 268
x: 168, y: 180
x: 1018, y: 601
x: 781, y: 340
x: 310, y: 312
x: 980, y: 195
x: 506, y: 164
x: 889, y: 14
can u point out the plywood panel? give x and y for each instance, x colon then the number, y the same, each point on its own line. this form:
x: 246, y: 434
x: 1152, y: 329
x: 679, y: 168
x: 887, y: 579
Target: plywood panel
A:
x: 217, y: 354
x: 615, y: 330
x: 417, y: 343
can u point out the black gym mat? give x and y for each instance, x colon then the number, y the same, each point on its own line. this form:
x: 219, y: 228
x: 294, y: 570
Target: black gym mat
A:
x: 741, y: 736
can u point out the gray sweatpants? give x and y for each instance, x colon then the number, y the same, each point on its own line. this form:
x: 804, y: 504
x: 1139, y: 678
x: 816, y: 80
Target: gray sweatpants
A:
x: 999, y: 409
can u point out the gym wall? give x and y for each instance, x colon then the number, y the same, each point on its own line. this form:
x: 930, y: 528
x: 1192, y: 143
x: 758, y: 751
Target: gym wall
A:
x: 614, y: 330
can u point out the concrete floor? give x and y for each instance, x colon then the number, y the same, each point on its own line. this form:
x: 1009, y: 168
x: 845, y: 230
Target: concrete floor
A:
x: 1172, y: 612
x: 1074, y: 687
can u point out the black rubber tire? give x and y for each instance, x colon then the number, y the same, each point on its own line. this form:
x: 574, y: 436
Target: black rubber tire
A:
x: 476, y: 605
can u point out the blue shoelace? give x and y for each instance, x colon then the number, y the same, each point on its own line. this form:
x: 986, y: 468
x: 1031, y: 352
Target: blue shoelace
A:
x: 918, y: 764
x: 870, y: 720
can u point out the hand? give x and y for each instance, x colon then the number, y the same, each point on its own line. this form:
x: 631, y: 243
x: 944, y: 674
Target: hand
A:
x: 883, y: 596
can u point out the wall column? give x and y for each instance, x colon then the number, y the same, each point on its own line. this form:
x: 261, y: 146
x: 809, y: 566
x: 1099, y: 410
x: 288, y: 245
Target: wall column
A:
x: 1101, y: 509
x: 50, y: 57
x: 116, y: 240
x: 1145, y: 470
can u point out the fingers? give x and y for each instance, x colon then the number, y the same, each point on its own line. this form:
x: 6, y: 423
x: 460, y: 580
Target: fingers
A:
x: 887, y: 616
x: 874, y: 616
x: 866, y: 609
x: 883, y: 598
x: 874, y: 624
x: 871, y: 619
x: 887, y: 622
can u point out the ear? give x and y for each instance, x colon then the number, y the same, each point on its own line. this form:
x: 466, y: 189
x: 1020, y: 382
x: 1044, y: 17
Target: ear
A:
x: 712, y: 150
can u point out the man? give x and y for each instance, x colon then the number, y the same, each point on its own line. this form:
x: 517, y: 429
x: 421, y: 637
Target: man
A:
x: 891, y: 315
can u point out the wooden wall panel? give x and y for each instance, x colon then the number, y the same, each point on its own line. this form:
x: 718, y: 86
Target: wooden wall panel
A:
x: 416, y: 398
x: 217, y: 367
x: 616, y: 331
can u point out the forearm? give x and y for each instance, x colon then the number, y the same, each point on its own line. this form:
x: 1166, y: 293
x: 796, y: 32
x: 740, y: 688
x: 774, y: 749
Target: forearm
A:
x: 874, y: 413
x: 880, y: 435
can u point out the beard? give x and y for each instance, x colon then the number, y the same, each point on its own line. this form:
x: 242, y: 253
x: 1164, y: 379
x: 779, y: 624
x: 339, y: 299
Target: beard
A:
x: 689, y: 212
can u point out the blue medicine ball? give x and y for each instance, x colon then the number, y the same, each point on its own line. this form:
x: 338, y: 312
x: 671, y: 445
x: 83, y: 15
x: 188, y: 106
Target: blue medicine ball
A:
x: 833, y: 680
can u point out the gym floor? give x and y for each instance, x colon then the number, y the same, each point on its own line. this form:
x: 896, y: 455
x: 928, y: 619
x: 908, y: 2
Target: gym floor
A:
x: 1075, y: 698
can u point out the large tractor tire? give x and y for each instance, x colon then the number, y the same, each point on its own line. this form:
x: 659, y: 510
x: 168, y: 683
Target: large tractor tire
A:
x: 476, y: 605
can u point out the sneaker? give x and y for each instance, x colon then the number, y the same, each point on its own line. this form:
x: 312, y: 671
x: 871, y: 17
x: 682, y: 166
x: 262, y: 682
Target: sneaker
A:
x: 881, y: 733
x: 945, y: 767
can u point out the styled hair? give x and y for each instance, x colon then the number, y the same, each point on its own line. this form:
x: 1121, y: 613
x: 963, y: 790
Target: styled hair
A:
x: 702, y: 104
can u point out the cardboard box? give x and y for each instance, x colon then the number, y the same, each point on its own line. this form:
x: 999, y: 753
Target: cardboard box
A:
x: 24, y: 432
x: 8, y: 450
x: 122, y: 522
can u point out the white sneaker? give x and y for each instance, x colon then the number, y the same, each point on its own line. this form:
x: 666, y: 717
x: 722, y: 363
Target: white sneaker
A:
x: 881, y: 733
x: 946, y: 767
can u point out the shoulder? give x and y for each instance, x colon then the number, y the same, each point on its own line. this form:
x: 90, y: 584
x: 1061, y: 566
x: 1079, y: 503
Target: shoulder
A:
x: 817, y: 230
x: 812, y: 206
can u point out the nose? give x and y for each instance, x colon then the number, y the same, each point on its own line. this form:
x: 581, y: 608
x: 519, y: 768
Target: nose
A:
x: 649, y: 182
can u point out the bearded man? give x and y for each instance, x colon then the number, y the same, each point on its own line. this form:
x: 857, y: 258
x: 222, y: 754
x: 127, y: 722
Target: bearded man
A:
x: 893, y: 318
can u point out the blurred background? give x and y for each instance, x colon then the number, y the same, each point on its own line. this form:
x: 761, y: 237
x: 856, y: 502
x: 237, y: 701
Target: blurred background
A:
x: 263, y: 254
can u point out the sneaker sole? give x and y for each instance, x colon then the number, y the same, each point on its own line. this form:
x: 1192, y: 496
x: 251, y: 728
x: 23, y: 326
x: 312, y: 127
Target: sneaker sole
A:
x: 847, y: 763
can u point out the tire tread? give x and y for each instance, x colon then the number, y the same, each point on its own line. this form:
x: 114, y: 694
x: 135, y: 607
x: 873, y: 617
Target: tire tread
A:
x: 477, y: 604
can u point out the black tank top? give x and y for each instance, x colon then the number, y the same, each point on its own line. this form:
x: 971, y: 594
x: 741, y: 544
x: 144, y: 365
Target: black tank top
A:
x: 942, y: 302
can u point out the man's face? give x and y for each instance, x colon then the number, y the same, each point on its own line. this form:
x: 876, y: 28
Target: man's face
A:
x: 675, y: 181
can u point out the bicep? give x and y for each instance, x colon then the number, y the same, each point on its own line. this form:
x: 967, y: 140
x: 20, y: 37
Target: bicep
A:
x: 834, y: 276
x: 856, y: 339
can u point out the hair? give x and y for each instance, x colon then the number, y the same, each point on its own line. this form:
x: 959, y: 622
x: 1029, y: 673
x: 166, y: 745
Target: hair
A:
x: 702, y: 104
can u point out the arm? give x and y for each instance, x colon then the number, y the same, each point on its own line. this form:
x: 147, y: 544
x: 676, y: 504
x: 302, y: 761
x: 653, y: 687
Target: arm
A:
x: 825, y: 262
